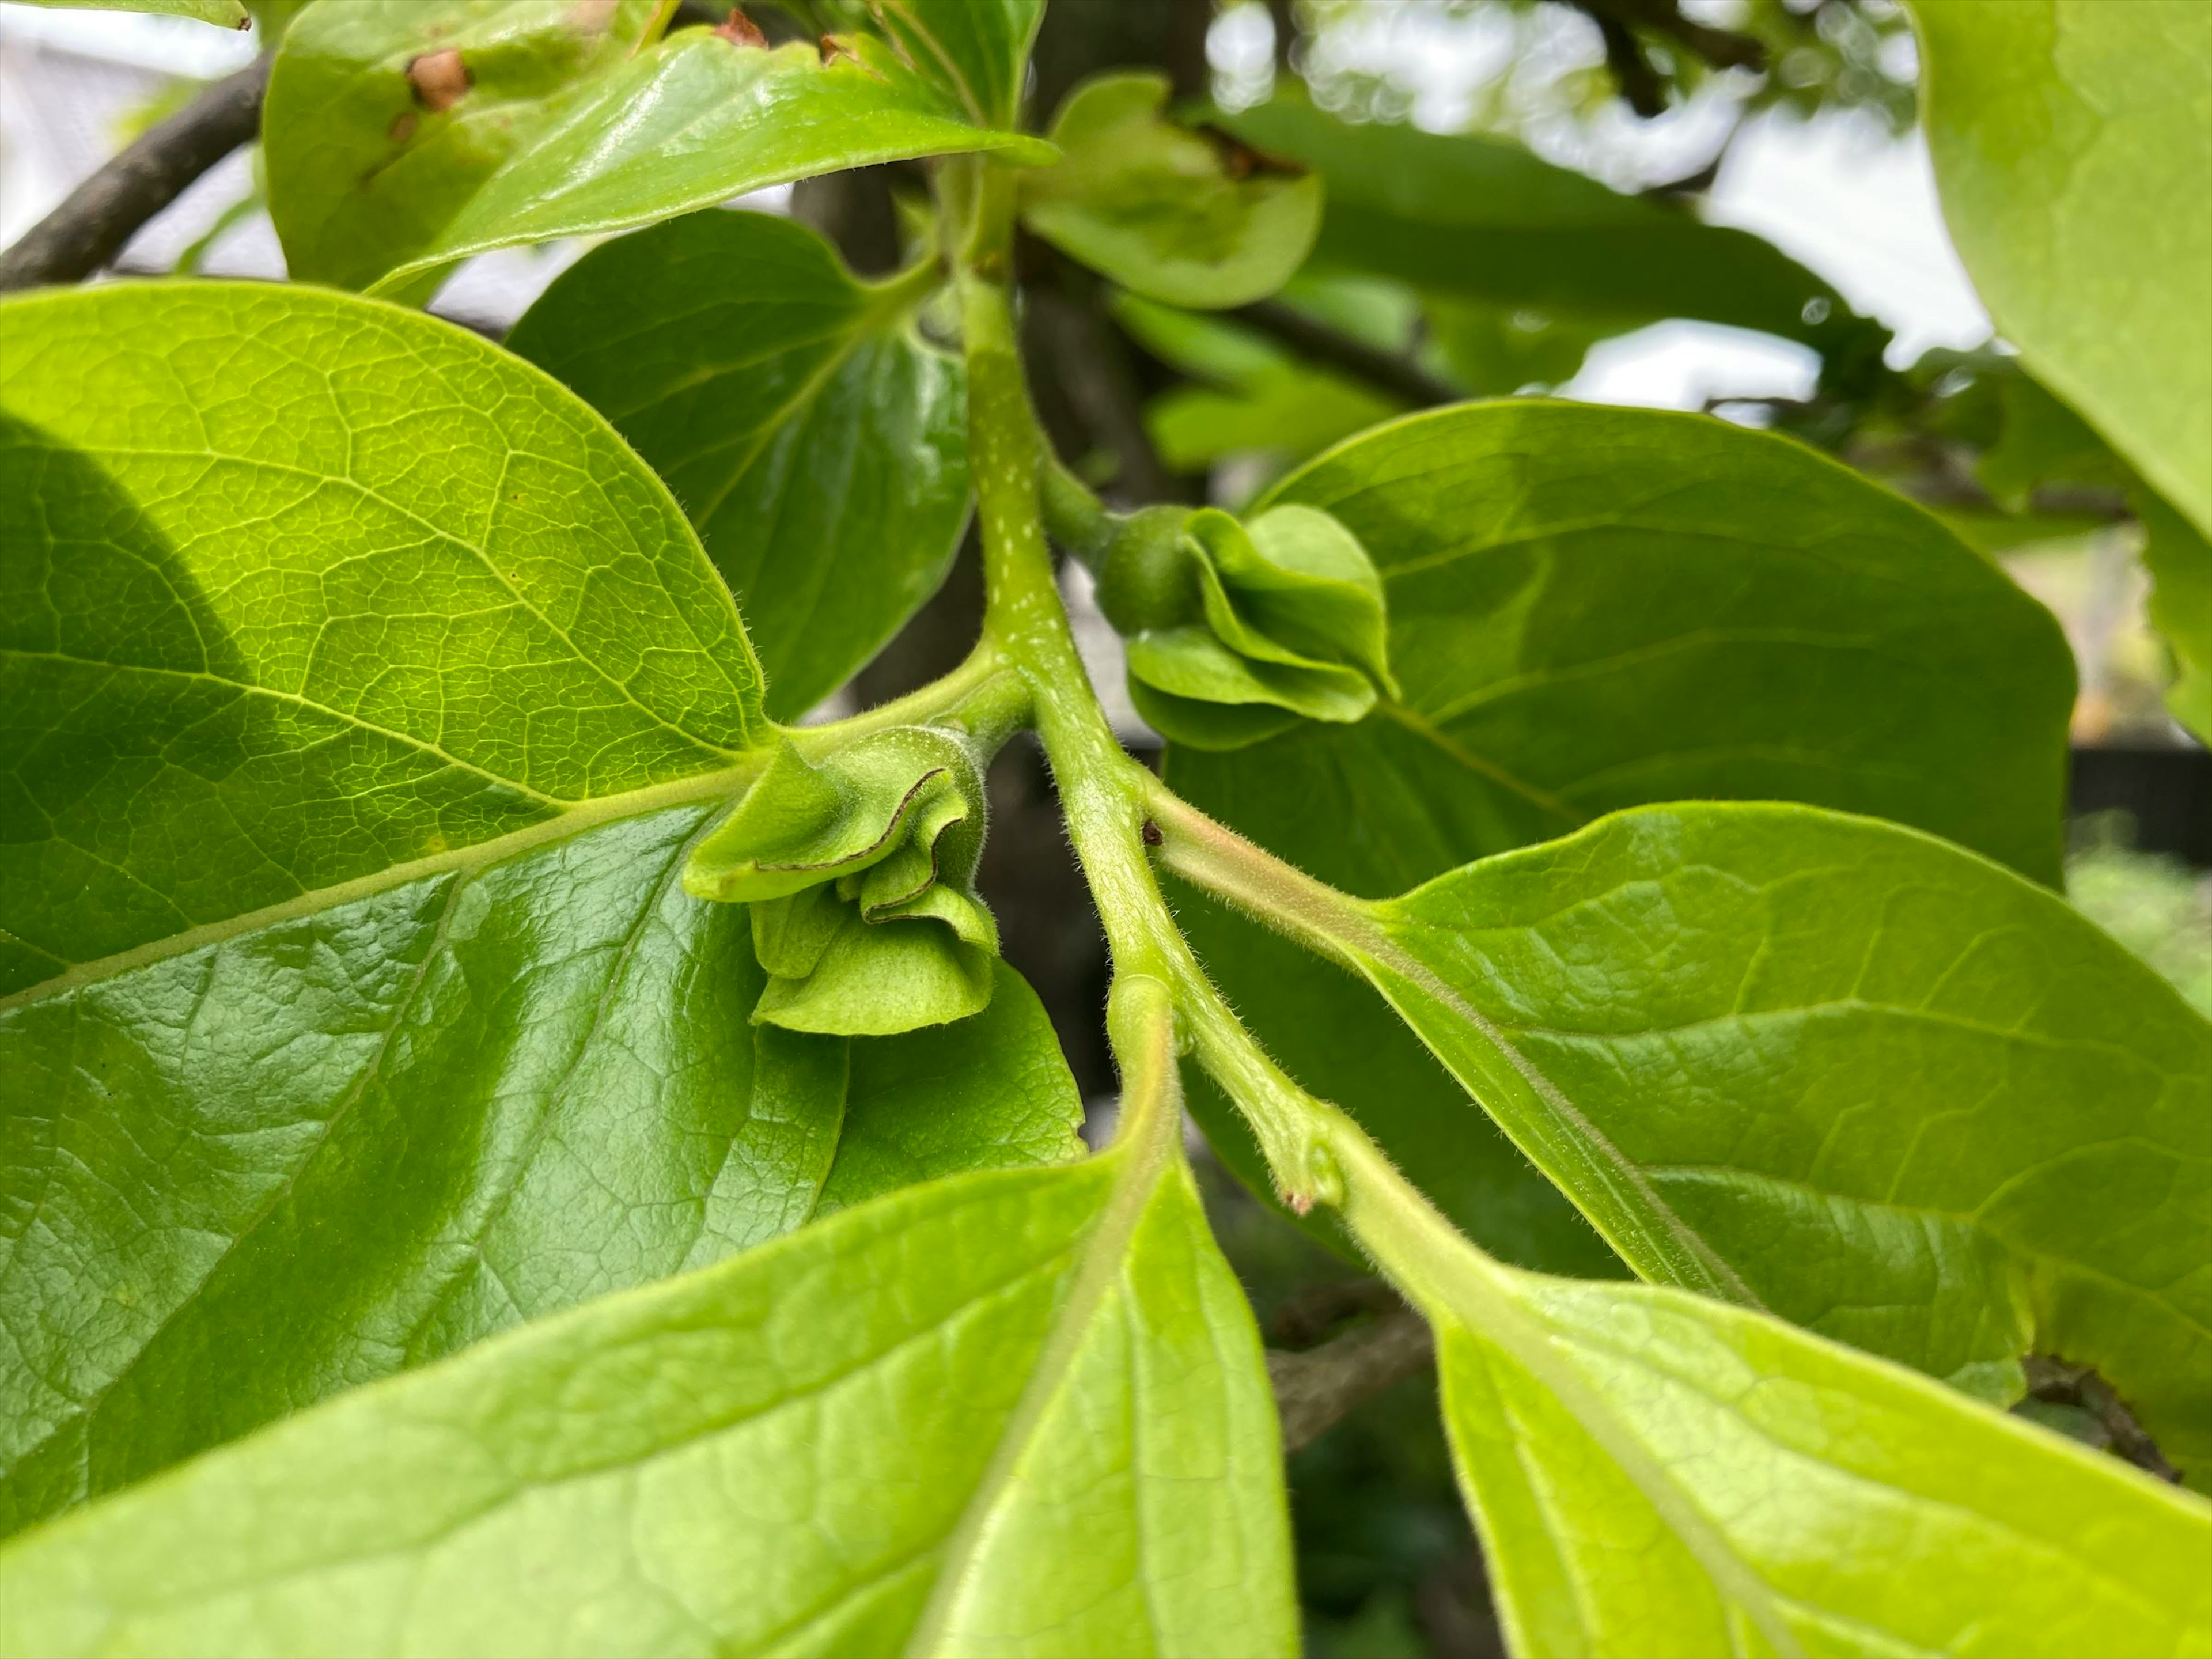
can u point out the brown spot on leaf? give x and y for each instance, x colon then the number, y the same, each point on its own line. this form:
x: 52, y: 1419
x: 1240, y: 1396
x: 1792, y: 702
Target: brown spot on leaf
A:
x: 592, y: 16
x: 440, y: 79
x: 1152, y: 835
x: 1300, y: 1203
x: 403, y: 128
x: 1240, y: 161
x: 740, y: 30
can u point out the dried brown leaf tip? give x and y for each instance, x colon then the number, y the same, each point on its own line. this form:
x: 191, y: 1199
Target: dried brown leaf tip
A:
x: 440, y: 79
x: 1240, y: 161
x: 740, y: 30
x: 833, y: 49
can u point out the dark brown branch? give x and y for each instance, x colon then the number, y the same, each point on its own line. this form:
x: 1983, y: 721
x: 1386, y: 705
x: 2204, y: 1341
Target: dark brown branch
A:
x: 1619, y: 22
x: 1640, y: 85
x: 2058, y: 1383
x: 1087, y: 361
x: 1400, y: 377
x: 86, y: 231
x: 1314, y: 1390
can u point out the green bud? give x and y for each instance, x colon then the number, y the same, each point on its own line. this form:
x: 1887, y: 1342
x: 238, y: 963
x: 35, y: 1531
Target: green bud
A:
x: 1238, y: 631
x: 860, y: 871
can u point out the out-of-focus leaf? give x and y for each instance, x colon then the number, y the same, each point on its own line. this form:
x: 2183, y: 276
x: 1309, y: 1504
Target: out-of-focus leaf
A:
x: 1175, y: 215
x: 1485, y: 219
x: 313, y: 589
x: 817, y: 441
x: 1592, y: 609
x: 2071, y: 146
x: 228, y: 13
x: 1018, y: 1412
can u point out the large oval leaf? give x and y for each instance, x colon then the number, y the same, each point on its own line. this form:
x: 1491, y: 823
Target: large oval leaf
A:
x: 1597, y: 608
x: 2072, y: 141
x: 1656, y: 1474
x: 1483, y: 218
x: 1021, y: 1414
x: 817, y: 441
x: 695, y: 121
x: 1845, y: 1071
x: 314, y: 588
x: 251, y: 1175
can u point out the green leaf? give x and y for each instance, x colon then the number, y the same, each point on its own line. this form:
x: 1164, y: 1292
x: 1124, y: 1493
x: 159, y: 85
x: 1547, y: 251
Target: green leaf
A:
x: 2071, y: 148
x: 695, y: 121
x: 1484, y: 219
x: 2180, y: 563
x: 1842, y: 1070
x: 1655, y: 1472
x: 384, y: 118
x: 978, y: 49
x: 817, y: 439
x: 861, y: 870
x: 228, y: 13
x: 1173, y: 214
x: 258, y: 1173
x: 313, y: 589
x: 1020, y: 1412
x: 1593, y: 609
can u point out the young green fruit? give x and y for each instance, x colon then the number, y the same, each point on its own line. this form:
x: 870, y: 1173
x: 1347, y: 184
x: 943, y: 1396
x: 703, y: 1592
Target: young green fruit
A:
x: 1238, y: 631
x: 861, y: 872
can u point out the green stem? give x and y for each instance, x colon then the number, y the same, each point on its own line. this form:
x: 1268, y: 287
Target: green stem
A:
x: 982, y: 696
x: 1310, y: 913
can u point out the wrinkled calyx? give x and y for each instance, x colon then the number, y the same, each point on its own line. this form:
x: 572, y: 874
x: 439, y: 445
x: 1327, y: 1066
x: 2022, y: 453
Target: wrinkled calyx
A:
x: 859, y: 871
x: 1238, y: 630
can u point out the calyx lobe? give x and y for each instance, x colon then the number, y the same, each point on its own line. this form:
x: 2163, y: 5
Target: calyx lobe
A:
x: 860, y: 869
x: 1237, y: 630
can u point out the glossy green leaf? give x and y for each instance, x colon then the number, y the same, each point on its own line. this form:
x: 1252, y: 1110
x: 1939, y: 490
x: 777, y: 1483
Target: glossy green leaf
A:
x: 1020, y: 1412
x: 1656, y: 1473
x: 229, y: 14
x: 1485, y: 219
x: 1847, y: 1072
x: 385, y: 117
x: 861, y: 872
x: 1593, y: 609
x: 257, y: 1173
x: 979, y: 49
x: 817, y: 439
x: 315, y: 588
x: 695, y: 121
x: 2072, y: 141
x: 1173, y: 214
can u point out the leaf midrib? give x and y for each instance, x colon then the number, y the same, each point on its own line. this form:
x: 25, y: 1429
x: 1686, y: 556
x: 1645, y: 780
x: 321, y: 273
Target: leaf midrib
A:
x: 701, y: 788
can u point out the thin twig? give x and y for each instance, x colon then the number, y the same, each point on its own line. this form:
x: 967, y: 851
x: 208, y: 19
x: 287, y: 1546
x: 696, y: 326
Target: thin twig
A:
x: 1400, y: 377
x: 86, y: 231
x: 1315, y: 1390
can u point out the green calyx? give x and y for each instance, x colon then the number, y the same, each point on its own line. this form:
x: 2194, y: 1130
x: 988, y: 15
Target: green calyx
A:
x: 1238, y: 630
x: 860, y: 870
